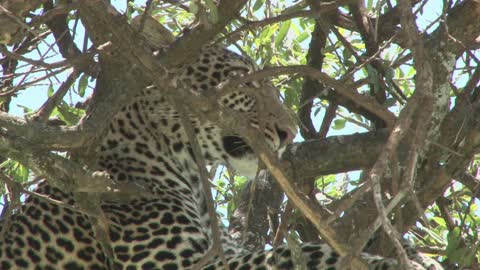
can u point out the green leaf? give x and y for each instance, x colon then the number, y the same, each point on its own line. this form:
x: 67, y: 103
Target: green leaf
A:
x: 389, y: 74
x: 22, y: 173
x: 282, y: 33
x: 373, y: 77
x: 339, y: 124
x: 302, y: 37
x: 26, y: 110
x: 440, y: 221
x: 470, y: 256
x: 372, y: 73
x: 193, y: 7
x: 289, y: 98
x: 240, y: 182
x: 349, y: 63
x: 453, y: 239
x: 437, y: 233
x: 221, y: 184
x: 346, y: 54
x: 213, y: 16
x: 264, y: 37
x: 82, y: 85
x: 69, y: 114
x: 369, y: 4
x: 389, y: 102
x: 230, y: 208
x: 258, y: 4
x: 324, y: 181
x: 411, y: 72
x: 17, y: 171
x: 50, y: 90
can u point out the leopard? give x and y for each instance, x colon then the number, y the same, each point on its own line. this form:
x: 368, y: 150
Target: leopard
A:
x: 147, y: 145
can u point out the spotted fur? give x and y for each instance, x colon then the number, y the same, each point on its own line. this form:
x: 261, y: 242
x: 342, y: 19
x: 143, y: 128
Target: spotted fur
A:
x: 146, y: 145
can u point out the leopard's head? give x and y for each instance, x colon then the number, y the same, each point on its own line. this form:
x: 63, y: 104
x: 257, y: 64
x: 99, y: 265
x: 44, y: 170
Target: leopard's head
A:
x: 254, y: 104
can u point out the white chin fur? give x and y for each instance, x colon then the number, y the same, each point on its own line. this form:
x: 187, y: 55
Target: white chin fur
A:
x: 246, y: 166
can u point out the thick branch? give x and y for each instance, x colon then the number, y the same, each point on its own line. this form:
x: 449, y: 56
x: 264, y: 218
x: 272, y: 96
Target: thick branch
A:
x: 44, y: 136
x: 182, y: 51
x: 312, y: 88
x: 59, y: 26
x: 335, y: 154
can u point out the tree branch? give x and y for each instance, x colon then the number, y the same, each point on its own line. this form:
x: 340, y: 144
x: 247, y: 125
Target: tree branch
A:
x: 366, y: 103
x: 182, y: 51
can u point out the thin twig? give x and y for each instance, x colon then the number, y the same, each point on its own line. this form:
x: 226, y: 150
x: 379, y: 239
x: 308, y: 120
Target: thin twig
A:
x: 42, y: 56
x: 327, y: 120
x: 47, y: 108
x: 21, y: 23
x: 360, y: 242
x: 347, y: 201
x: 409, y: 180
x: 445, y: 214
x: 32, y: 82
x: 232, y: 36
x: 422, y: 96
x: 32, y: 62
x: 375, y: 176
x: 178, y: 4
x: 52, y: 13
x: 282, y: 228
x: 365, y: 102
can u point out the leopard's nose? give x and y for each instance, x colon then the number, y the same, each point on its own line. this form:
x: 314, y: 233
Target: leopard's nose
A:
x: 285, y: 135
